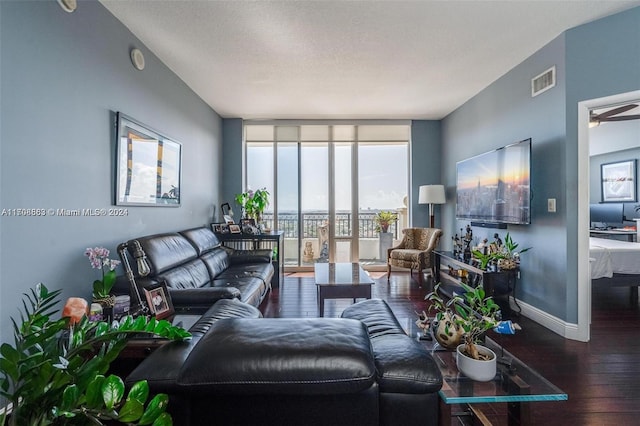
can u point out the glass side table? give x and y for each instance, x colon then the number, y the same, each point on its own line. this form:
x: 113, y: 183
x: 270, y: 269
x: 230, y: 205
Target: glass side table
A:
x: 515, y: 383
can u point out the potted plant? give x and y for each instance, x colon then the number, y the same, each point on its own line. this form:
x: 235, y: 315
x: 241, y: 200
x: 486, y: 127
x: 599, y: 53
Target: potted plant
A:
x: 54, y: 374
x: 253, y: 203
x: 471, y: 314
x: 486, y: 259
x: 99, y: 258
x: 383, y: 219
x: 510, y: 257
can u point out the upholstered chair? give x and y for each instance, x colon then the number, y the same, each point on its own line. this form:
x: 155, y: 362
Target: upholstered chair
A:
x: 415, y: 251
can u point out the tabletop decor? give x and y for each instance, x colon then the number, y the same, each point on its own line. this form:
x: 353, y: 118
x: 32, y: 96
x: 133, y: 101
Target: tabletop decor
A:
x: 54, y: 373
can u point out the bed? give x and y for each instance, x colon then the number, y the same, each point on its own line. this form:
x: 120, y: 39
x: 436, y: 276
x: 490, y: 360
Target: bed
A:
x: 615, y: 263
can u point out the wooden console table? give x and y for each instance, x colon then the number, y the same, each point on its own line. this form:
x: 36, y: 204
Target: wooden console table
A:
x: 499, y: 284
x: 266, y: 240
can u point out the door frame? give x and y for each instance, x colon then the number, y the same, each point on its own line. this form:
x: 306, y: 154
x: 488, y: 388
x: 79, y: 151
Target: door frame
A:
x: 583, y: 330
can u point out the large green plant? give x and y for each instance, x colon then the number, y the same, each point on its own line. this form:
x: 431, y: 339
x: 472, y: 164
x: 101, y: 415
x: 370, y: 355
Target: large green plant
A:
x: 54, y: 374
x: 473, y: 311
x: 253, y: 202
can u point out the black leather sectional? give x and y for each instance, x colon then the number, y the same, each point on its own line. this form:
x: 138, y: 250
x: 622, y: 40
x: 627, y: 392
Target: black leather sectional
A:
x: 241, y: 369
x: 199, y: 271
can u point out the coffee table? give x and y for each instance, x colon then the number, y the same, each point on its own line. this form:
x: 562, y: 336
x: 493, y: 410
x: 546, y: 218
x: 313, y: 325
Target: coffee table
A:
x: 341, y: 280
x: 515, y: 383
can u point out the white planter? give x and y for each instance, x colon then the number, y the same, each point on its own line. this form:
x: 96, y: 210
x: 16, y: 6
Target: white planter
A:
x: 482, y: 371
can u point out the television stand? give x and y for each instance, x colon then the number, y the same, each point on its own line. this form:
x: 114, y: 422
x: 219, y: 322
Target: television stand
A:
x: 451, y: 271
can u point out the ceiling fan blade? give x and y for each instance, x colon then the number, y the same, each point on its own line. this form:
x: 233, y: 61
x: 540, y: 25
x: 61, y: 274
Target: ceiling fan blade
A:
x: 621, y: 118
x: 614, y: 111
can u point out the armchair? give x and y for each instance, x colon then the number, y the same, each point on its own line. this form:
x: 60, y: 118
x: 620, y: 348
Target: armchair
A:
x: 415, y: 251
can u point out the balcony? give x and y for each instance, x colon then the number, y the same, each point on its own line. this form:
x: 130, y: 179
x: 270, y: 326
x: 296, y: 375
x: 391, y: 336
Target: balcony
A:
x: 312, y: 224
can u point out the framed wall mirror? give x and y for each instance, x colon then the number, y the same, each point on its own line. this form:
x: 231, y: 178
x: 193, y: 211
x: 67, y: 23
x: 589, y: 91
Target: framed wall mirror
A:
x: 148, y: 170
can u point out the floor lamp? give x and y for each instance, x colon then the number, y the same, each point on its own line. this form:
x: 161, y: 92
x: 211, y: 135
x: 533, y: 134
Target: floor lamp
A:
x: 431, y: 194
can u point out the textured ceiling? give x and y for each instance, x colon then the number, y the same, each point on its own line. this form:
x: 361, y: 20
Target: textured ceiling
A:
x: 347, y: 59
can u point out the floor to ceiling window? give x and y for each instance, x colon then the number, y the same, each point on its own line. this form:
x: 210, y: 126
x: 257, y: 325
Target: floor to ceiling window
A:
x: 327, y: 182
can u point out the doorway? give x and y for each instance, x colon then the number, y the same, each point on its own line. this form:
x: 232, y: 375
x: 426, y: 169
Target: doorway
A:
x: 583, y: 331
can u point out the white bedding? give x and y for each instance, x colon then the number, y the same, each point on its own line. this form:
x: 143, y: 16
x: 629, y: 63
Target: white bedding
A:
x: 610, y: 257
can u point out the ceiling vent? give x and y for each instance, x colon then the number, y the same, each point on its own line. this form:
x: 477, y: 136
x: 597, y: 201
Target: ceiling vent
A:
x: 543, y: 82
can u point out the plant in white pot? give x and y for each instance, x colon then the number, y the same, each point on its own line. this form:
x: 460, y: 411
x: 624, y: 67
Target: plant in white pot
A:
x: 473, y: 313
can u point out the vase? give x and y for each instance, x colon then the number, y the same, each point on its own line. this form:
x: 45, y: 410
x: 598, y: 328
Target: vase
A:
x: 385, y: 243
x: 475, y: 369
x: 447, y: 333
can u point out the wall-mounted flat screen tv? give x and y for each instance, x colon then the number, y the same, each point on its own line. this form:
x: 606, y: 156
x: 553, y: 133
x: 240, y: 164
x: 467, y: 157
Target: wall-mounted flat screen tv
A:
x: 495, y: 187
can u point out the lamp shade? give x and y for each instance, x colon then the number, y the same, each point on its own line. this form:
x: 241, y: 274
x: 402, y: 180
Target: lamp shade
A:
x: 431, y: 194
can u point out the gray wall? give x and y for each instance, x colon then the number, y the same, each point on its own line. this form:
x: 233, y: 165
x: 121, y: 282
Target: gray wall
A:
x: 62, y: 75
x: 232, y: 172
x: 505, y: 113
x: 426, y: 150
x: 597, y: 59
x: 603, y: 58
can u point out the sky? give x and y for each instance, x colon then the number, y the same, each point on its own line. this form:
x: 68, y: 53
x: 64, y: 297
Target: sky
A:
x: 381, y: 168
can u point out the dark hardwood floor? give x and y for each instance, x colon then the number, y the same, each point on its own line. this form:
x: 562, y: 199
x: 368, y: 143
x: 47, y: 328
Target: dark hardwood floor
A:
x: 601, y: 377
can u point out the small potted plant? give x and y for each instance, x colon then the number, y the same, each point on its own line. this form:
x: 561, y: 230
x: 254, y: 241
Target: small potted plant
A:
x: 510, y: 257
x: 471, y: 314
x: 99, y: 258
x: 486, y: 259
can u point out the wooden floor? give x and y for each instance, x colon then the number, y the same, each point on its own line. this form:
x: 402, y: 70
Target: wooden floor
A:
x: 601, y: 378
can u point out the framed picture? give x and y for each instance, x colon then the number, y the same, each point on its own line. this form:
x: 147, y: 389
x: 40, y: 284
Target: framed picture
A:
x: 619, y: 182
x: 224, y: 228
x: 159, y: 300
x: 217, y: 227
x: 249, y: 226
x: 148, y: 166
x: 234, y: 229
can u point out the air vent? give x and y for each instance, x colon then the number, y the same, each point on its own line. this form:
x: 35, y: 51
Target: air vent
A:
x: 543, y: 82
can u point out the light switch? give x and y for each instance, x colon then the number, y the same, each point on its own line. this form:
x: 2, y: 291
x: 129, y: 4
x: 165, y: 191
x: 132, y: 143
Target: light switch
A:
x: 551, y: 205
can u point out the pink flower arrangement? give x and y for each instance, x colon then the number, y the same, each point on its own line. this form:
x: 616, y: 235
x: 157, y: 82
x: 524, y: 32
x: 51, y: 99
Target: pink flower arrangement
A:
x: 99, y: 258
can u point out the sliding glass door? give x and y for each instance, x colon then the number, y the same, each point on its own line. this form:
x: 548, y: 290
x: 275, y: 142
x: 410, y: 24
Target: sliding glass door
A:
x: 327, y: 183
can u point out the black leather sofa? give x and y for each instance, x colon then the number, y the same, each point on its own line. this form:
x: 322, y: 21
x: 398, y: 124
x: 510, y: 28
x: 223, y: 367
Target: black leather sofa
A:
x: 197, y: 269
x: 240, y: 369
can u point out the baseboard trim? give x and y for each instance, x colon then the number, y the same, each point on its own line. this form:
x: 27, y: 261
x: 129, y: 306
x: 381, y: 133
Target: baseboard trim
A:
x: 555, y: 324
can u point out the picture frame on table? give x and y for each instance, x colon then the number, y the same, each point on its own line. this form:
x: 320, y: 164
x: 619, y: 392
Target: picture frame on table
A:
x: 217, y: 227
x: 249, y: 227
x: 159, y: 300
x: 234, y: 228
x: 619, y: 181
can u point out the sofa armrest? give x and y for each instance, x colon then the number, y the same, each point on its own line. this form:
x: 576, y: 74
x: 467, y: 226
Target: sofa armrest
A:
x: 250, y: 256
x: 199, y: 300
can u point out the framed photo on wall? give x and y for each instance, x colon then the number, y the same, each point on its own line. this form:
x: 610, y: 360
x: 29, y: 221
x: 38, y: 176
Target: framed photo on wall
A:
x: 619, y: 182
x: 148, y: 166
x: 159, y: 300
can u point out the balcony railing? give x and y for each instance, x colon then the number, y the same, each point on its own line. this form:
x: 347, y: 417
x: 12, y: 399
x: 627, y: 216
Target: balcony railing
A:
x: 312, y: 221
